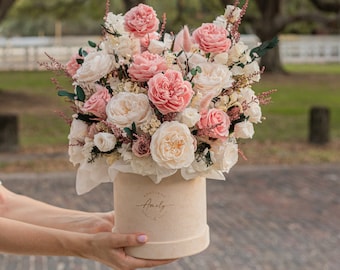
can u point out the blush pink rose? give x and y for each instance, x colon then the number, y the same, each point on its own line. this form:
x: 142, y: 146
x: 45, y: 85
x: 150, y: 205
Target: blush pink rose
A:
x: 212, y: 38
x: 96, y: 104
x: 141, y: 20
x: 146, y: 65
x: 214, y: 123
x: 145, y: 40
x: 169, y: 92
x: 72, y: 65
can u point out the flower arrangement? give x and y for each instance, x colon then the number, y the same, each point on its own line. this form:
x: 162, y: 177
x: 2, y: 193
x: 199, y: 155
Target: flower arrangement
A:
x: 154, y: 103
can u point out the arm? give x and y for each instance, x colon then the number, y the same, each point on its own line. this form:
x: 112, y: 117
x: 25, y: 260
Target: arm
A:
x: 27, y: 239
x: 25, y: 209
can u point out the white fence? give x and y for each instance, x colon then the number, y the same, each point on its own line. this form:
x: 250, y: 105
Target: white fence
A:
x: 27, y: 53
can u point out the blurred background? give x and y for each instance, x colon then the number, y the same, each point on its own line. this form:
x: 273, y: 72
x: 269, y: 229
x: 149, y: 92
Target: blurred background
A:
x: 304, y: 68
x: 279, y: 212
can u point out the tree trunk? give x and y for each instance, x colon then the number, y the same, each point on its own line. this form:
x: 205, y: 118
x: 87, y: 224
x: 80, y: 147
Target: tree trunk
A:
x: 266, y: 28
x: 132, y: 3
x: 5, y: 6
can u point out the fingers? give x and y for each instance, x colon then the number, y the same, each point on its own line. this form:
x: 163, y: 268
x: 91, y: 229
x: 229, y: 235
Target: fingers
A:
x: 141, y: 263
x: 129, y: 240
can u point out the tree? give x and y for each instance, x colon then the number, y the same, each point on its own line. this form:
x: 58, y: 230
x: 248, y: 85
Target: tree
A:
x: 5, y: 6
x: 272, y: 18
x: 131, y: 3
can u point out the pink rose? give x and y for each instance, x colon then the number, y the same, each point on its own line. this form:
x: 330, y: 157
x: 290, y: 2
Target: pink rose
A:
x: 214, y: 123
x: 145, y: 40
x: 141, y: 146
x: 146, y: 65
x: 212, y: 38
x: 169, y: 92
x: 96, y: 104
x: 72, y: 65
x: 141, y: 20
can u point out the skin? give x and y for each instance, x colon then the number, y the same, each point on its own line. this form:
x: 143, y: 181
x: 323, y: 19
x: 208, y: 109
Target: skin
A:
x: 31, y: 227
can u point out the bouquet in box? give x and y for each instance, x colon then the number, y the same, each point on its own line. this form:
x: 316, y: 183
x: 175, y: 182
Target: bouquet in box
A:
x: 154, y: 103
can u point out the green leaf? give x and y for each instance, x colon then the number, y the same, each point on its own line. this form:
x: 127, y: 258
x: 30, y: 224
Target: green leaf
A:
x: 80, y: 93
x: 134, y: 128
x: 92, y: 44
x: 263, y: 48
x: 129, y: 133
x: 63, y: 93
x: 80, y: 61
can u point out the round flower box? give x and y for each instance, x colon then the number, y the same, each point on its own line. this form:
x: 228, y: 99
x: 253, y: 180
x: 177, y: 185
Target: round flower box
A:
x: 172, y: 213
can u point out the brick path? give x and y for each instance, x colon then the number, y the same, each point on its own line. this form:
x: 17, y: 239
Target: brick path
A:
x: 261, y: 218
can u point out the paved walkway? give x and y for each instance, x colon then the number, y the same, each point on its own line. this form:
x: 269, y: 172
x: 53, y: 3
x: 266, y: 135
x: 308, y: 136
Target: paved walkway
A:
x: 261, y: 218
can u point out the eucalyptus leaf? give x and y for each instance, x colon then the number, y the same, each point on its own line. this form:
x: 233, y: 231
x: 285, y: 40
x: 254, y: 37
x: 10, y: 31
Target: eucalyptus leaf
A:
x: 64, y: 93
x: 80, y: 93
x: 92, y: 44
x: 261, y: 50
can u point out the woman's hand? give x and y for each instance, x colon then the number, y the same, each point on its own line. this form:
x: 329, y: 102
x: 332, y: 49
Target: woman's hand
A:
x: 108, y: 248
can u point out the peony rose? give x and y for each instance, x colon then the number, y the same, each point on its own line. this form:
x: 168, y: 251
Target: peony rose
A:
x: 224, y: 155
x: 214, y: 123
x: 96, y: 65
x: 96, y: 104
x: 126, y: 108
x: 104, y: 141
x: 172, y: 146
x: 189, y: 117
x: 145, y: 66
x: 212, y: 79
x: 212, y: 38
x: 141, y: 20
x: 169, y: 92
x: 244, y: 130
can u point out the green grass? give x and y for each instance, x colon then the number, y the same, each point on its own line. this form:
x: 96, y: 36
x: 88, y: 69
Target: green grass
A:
x: 314, y: 68
x: 286, y: 117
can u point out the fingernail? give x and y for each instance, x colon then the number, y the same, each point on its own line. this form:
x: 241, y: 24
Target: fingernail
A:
x: 142, y: 238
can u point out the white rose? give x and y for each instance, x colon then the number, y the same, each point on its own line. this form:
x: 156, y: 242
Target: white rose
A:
x: 191, y: 59
x: 247, y: 94
x: 96, y: 65
x: 244, y: 130
x: 189, y: 117
x: 78, y: 130
x: 221, y: 58
x: 115, y: 23
x: 232, y: 13
x: 172, y: 146
x: 156, y: 46
x: 224, y: 155
x: 212, y: 79
x: 252, y: 70
x: 220, y: 21
x: 236, y: 52
x: 104, y: 141
x: 126, y: 48
x: 254, y: 112
x: 126, y: 108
